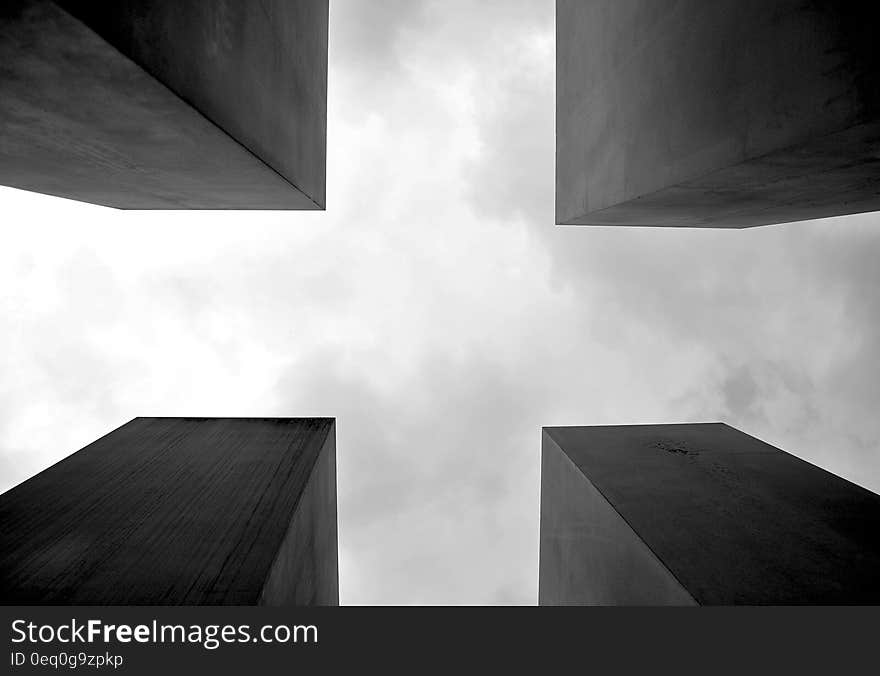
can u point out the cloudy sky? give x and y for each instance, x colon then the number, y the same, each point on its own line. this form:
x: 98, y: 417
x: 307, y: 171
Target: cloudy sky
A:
x: 436, y: 311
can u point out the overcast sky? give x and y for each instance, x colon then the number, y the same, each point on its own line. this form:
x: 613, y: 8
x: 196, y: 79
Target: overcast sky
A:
x: 436, y: 311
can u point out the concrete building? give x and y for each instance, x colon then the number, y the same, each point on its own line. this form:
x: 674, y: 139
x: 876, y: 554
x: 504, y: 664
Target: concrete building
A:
x: 728, y: 114
x: 170, y: 511
x: 698, y: 514
x: 166, y: 104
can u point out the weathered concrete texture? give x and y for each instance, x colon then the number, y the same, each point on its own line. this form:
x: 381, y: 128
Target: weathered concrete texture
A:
x: 258, y: 70
x: 730, y: 518
x: 731, y: 113
x: 183, y: 105
x: 306, y: 575
x: 588, y: 554
x: 225, y: 511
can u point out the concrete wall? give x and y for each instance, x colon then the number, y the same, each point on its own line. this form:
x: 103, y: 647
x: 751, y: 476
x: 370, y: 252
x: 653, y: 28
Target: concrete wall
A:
x: 305, y: 571
x: 588, y: 554
x: 175, y: 511
x: 735, y: 520
x: 258, y: 70
x: 693, y: 113
x: 79, y: 119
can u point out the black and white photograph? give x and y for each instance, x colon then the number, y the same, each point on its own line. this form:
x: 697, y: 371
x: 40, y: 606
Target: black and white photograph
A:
x: 430, y: 306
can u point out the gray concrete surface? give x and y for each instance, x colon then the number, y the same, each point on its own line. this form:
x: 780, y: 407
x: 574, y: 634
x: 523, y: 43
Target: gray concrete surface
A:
x: 733, y: 519
x: 731, y: 113
x: 309, y: 575
x: 227, y: 109
x: 588, y: 554
x: 256, y: 69
x: 169, y: 511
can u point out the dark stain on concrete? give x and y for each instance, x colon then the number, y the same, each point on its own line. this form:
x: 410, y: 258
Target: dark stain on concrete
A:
x: 674, y: 447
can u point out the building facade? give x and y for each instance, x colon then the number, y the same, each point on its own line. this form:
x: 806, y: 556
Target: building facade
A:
x: 698, y: 514
x: 179, y: 511
x: 726, y: 114
x: 166, y: 104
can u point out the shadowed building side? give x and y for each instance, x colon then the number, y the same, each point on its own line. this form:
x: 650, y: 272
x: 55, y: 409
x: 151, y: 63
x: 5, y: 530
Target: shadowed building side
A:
x: 698, y: 513
x: 171, y: 511
x: 731, y: 113
x: 305, y: 570
x: 588, y: 554
x: 166, y: 105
